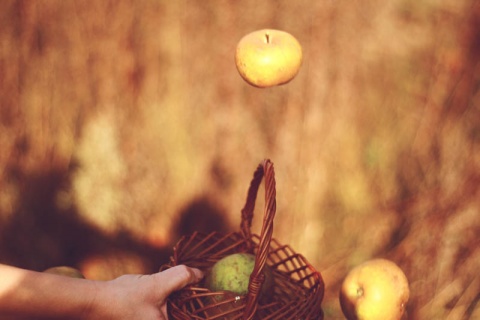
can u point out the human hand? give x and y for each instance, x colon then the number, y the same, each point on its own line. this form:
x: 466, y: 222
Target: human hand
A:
x: 140, y: 296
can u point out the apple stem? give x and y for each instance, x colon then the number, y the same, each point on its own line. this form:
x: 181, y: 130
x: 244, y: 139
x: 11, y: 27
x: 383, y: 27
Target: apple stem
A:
x: 267, y: 37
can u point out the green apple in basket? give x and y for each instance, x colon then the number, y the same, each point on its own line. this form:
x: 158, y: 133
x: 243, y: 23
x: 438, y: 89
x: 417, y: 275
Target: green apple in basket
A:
x: 232, y: 273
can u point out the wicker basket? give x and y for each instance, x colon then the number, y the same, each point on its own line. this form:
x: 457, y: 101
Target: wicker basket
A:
x: 298, y: 287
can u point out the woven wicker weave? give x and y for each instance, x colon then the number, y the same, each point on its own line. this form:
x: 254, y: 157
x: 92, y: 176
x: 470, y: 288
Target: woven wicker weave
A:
x: 298, y: 287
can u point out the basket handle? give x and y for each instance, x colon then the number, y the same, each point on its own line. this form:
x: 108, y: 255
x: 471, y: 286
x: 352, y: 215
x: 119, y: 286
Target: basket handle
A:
x: 257, y: 277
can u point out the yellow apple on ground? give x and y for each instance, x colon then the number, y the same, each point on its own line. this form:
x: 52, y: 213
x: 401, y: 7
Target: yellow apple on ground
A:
x: 376, y: 289
x: 268, y: 57
x: 65, y: 271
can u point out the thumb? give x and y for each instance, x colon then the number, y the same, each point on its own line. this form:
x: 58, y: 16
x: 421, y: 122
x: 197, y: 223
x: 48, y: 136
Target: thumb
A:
x: 177, y: 277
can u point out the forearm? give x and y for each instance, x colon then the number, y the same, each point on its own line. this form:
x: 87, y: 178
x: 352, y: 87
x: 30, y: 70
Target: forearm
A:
x: 35, y: 295
x: 28, y: 294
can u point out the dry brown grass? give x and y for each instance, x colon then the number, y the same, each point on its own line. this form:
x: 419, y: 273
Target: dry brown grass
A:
x: 119, y: 118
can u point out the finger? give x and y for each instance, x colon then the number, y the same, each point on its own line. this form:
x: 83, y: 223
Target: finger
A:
x: 177, y: 277
x: 163, y: 311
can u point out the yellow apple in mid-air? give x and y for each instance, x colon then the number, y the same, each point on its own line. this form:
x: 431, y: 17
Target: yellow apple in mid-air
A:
x: 268, y: 57
x: 65, y: 271
x: 376, y: 289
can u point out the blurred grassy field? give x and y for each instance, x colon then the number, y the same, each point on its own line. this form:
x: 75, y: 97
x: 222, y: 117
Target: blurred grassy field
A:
x: 125, y: 124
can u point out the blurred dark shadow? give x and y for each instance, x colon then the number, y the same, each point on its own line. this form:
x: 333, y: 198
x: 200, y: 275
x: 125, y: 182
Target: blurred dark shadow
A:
x: 39, y: 234
x: 201, y: 215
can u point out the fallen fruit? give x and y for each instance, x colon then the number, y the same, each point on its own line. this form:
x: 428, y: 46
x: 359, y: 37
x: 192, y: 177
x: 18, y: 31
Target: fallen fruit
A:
x: 376, y: 289
x: 268, y: 57
x: 65, y: 271
x: 232, y: 273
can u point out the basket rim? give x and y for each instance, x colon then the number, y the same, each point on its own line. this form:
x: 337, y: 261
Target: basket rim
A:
x: 312, y: 284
